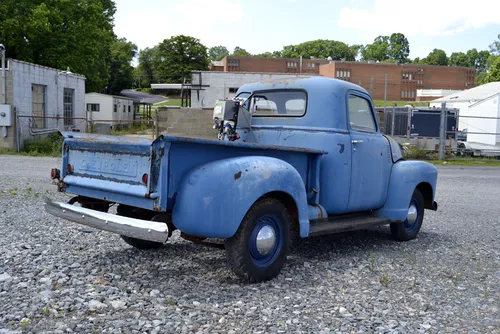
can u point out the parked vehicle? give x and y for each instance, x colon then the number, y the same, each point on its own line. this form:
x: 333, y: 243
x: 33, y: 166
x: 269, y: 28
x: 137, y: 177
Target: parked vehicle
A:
x: 303, y: 157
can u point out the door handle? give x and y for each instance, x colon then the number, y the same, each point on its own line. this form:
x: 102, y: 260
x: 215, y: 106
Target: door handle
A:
x: 356, y: 141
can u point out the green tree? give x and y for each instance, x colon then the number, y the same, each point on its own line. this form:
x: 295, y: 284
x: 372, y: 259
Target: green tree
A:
x: 378, y: 50
x: 147, y: 67
x: 177, y: 55
x: 241, y: 52
x: 218, y: 52
x: 436, y: 57
x: 460, y: 59
x: 399, y: 48
x: 61, y: 34
x: 495, y: 47
x: 321, y: 49
x: 494, y: 70
x: 264, y: 55
x: 121, y: 69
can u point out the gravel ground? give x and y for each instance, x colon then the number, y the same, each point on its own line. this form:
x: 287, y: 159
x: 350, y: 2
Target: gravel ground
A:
x: 57, y: 276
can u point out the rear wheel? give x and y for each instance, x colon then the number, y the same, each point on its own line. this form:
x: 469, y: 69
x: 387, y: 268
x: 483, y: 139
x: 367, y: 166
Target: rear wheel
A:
x: 258, y: 250
x: 127, y: 211
x: 410, y: 227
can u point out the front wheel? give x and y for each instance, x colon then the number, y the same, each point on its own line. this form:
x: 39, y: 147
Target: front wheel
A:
x: 258, y: 250
x: 409, y: 228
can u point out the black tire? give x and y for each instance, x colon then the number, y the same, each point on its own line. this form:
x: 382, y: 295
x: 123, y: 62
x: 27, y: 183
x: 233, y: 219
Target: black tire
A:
x: 127, y: 211
x: 241, y: 249
x: 408, y: 230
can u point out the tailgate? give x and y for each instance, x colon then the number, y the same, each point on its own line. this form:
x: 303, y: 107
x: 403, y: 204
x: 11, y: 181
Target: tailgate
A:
x: 109, y: 164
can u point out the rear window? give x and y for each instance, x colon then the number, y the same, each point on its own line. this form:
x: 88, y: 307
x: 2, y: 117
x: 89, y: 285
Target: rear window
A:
x: 279, y: 103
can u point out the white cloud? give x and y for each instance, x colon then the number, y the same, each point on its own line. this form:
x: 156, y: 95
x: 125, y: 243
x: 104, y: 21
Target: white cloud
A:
x: 201, y: 19
x: 421, y: 18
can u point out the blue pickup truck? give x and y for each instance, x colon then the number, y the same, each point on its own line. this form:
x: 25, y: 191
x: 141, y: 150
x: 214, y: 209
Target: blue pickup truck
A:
x: 294, y: 159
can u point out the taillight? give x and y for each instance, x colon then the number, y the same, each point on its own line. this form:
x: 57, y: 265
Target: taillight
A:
x: 55, y: 173
x: 145, y: 178
x: 69, y: 169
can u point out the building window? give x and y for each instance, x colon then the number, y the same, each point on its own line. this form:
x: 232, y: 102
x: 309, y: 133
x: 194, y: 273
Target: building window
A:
x: 93, y: 107
x: 313, y: 65
x: 291, y: 64
x: 402, y: 94
x: 68, y: 106
x: 129, y: 109
x: 38, y: 106
x: 343, y: 74
x: 124, y: 108
x: 233, y: 90
x: 115, y: 108
x: 233, y: 62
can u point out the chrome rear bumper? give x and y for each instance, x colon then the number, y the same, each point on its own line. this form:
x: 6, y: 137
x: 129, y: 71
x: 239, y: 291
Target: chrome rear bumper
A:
x: 130, y: 227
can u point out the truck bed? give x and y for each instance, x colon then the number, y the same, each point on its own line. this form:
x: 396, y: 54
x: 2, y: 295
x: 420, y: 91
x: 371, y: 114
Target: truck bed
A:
x: 146, y: 173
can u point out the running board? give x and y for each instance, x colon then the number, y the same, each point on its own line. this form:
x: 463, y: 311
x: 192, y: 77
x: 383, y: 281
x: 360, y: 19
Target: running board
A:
x: 345, y: 223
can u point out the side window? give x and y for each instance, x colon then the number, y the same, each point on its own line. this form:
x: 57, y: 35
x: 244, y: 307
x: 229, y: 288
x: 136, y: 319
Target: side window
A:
x: 360, y: 114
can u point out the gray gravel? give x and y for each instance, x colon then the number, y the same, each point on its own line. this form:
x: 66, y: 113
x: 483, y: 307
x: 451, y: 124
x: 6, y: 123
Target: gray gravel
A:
x: 58, y: 277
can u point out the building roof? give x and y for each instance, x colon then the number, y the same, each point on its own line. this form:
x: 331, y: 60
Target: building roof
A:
x: 474, y: 94
x: 109, y: 95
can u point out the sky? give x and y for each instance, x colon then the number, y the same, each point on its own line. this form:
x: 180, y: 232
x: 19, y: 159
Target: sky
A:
x: 268, y: 25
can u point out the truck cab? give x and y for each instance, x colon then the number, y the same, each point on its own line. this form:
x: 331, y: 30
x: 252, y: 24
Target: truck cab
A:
x: 303, y: 157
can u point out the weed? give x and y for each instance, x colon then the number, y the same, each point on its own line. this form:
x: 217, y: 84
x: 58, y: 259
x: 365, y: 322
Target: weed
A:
x: 485, y: 292
x: 373, y: 263
x: 48, y: 146
x: 45, y: 310
x: 13, y: 191
x: 384, y: 280
x: 25, y: 323
x: 29, y: 189
x: 35, y: 195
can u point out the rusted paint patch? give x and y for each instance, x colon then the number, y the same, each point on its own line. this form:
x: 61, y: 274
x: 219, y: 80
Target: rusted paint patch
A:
x: 237, y: 175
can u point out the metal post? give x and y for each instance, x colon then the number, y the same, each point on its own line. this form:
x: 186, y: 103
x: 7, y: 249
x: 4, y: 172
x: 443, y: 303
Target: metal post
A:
x: 392, y: 117
x: 442, y: 131
x: 371, y: 86
x: 4, y: 81
x: 385, y: 91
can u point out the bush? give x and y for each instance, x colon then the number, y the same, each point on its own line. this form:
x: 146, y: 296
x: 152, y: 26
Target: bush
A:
x: 50, y: 145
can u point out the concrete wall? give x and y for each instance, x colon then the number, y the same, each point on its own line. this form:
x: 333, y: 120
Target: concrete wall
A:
x: 186, y: 122
x: 23, y: 76
x: 221, y: 83
x: 105, y: 106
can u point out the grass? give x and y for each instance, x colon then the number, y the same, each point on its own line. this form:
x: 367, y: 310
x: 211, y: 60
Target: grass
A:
x: 169, y: 103
x: 49, y: 146
x: 380, y: 103
x: 472, y: 162
x: 132, y: 129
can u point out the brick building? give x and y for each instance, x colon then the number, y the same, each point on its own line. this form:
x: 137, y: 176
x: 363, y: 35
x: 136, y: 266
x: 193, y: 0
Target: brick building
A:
x: 268, y: 65
x: 403, y: 81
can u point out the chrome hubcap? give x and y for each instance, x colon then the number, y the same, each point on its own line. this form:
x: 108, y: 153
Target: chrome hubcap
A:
x: 266, y: 240
x: 412, y: 214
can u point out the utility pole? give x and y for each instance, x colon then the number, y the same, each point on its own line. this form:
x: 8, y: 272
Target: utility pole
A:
x: 385, y: 91
x: 442, y: 131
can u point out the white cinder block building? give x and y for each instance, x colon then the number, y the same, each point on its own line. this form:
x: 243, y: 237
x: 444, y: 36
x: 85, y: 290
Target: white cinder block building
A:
x: 109, y: 109
x: 41, y: 100
x: 221, y: 85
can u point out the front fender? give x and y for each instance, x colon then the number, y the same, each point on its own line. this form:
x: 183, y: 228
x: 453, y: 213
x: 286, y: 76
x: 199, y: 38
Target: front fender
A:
x: 212, y: 199
x: 405, y: 177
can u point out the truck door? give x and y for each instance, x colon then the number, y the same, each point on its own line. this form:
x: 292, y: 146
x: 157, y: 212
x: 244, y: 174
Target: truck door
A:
x: 370, y: 156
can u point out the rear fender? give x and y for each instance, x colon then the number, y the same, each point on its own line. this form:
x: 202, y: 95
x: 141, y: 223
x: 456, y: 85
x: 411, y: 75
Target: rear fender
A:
x: 405, y: 177
x: 212, y: 199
